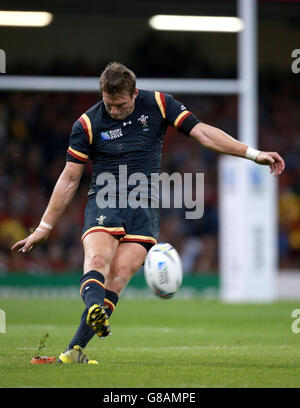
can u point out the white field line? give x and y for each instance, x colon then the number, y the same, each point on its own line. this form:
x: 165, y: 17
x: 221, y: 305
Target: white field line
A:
x: 118, y: 328
x: 160, y: 329
x: 170, y: 348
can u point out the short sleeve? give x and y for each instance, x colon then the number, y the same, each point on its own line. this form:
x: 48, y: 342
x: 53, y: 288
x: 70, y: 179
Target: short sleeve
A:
x: 79, y: 145
x: 175, y: 113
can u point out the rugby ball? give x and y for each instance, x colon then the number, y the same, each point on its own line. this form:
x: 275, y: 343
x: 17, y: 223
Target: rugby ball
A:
x: 163, y: 270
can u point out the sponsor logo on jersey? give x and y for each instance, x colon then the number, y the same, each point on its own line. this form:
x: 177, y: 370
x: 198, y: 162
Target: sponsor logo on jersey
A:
x: 127, y: 123
x: 111, y: 134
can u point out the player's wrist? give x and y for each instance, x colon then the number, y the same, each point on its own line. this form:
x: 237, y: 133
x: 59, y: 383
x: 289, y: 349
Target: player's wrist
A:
x: 45, y: 226
x: 42, y: 230
x: 251, y: 153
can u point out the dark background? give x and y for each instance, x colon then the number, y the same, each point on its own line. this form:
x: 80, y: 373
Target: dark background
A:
x: 81, y: 40
x: 83, y: 37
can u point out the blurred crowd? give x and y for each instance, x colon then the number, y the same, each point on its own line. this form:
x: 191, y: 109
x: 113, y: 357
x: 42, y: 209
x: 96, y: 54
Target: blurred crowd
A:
x: 34, y: 131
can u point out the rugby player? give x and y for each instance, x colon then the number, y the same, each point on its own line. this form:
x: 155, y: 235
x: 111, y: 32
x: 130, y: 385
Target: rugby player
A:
x: 126, y: 127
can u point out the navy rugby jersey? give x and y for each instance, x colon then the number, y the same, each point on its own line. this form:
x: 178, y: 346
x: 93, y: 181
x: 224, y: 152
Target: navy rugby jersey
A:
x: 135, y: 141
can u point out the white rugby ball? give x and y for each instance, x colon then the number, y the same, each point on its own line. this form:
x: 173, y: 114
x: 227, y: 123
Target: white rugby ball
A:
x: 163, y: 270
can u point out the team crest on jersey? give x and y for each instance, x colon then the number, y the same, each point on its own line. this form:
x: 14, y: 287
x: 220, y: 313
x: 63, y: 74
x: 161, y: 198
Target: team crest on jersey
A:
x: 143, y: 119
x: 111, y: 134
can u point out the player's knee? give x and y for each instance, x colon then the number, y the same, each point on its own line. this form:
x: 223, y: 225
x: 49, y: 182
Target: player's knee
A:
x: 98, y: 261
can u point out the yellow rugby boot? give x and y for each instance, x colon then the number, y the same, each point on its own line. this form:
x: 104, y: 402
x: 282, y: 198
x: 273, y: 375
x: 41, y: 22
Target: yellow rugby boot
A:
x: 75, y: 355
x: 97, y: 319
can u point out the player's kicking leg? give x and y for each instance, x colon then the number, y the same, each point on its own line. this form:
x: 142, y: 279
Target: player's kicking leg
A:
x: 127, y: 260
x: 99, y: 250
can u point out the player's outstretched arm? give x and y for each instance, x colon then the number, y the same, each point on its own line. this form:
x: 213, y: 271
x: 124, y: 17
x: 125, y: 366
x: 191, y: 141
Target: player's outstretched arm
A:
x: 63, y: 193
x: 219, y: 141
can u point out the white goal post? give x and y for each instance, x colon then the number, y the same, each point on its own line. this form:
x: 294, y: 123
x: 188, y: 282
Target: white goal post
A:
x: 247, y: 207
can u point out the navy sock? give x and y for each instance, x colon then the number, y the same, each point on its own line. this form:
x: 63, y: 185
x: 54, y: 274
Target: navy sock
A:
x: 83, y: 334
x: 110, y: 300
x: 92, y: 288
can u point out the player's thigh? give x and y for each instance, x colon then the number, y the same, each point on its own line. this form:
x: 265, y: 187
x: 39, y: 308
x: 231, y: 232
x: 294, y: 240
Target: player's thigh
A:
x: 128, y: 258
x: 99, y: 250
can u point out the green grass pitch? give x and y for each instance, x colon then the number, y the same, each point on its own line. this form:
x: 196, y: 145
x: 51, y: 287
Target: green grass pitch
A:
x: 155, y: 343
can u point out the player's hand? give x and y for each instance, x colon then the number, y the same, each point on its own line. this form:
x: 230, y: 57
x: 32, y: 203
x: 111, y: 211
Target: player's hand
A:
x: 29, y: 243
x: 272, y: 159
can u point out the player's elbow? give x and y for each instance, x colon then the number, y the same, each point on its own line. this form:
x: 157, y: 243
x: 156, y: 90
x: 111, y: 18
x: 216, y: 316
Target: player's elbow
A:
x: 68, y: 182
x: 201, y: 133
x: 72, y: 173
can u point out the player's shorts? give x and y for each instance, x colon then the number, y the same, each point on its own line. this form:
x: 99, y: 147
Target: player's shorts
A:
x: 139, y: 225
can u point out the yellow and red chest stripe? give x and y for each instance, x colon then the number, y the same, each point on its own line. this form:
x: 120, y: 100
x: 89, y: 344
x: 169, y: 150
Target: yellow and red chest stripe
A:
x: 161, y: 101
x: 87, y: 127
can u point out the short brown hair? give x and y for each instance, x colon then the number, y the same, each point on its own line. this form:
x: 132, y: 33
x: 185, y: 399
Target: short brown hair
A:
x: 117, y: 78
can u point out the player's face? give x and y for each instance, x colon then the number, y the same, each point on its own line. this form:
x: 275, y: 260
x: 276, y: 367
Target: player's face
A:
x: 119, y: 106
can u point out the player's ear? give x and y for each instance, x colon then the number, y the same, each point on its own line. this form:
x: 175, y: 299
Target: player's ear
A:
x: 135, y: 93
